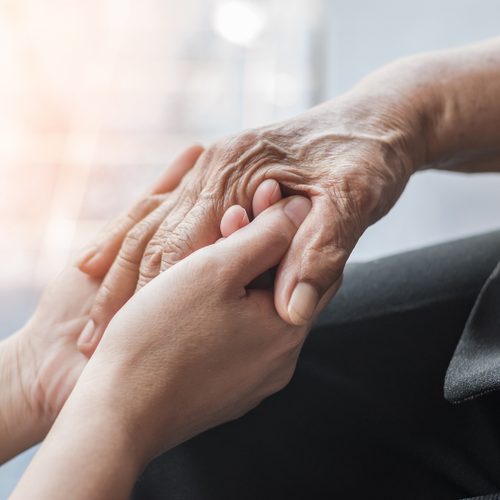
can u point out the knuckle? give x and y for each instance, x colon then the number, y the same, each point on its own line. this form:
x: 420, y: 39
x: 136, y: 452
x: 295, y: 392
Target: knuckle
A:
x: 324, y: 265
x: 151, y: 262
x: 127, y: 264
x: 132, y: 250
x: 365, y: 190
x: 177, y: 247
x: 102, y: 303
x: 240, y: 163
x: 137, y: 237
x: 359, y: 193
x: 213, y: 148
x: 243, y: 141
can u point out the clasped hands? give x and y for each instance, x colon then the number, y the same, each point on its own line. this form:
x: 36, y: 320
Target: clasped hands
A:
x: 184, y: 331
x: 199, y: 345
x: 174, y: 304
x: 353, y: 174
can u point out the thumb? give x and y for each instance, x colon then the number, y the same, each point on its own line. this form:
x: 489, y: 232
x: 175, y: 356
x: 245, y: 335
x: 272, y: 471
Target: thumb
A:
x: 260, y: 245
x: 313, y: 265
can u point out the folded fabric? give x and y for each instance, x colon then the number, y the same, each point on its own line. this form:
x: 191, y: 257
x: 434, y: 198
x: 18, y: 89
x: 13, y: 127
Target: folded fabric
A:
x: 474, y: 369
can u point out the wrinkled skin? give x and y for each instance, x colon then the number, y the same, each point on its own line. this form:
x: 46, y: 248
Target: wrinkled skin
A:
x: 352, y: 159
x: 216, y: 350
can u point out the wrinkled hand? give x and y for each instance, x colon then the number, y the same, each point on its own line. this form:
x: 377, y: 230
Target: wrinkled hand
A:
x: 352, y: 158
x: 196, y: 347
x: 193, y: 349
x: 121, y: 280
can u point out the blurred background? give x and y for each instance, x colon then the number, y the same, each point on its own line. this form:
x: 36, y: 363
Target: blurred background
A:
x: 96, y: 97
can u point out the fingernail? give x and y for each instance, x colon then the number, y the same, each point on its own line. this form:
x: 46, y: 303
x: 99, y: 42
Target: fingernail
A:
x: 244, y: 219
x: 297, y: 209
x: 86, y: 256
x: 302, y: 303
x: 276, y: 196
x: 87, y: 334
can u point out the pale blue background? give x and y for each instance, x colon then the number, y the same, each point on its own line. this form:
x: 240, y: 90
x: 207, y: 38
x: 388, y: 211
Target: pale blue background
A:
x: 363, y: 35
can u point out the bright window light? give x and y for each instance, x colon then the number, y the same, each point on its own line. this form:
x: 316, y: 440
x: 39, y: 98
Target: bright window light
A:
x: 239, y: 22
x: 283, y: 89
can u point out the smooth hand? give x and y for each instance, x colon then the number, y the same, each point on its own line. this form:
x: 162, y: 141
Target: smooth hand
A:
x: 41, y: 363
x: 193, y: 349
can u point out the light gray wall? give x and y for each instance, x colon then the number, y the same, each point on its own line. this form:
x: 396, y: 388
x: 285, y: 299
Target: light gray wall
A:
x: 362, y: 35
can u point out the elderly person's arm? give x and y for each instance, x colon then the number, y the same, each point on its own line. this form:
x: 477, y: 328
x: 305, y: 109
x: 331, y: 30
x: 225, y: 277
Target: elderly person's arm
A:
x: 193, y: 349
x: 351, y: 156
x: 40, y: 364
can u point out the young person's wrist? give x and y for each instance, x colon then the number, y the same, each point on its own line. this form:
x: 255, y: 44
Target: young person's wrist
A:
x: 88, y: 453
x: 117, y: 400
x: 23, y: 422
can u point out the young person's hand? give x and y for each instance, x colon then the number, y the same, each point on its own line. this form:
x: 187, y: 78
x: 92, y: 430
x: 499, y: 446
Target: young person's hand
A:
x: 41, y: 363
x: 192, y: 349
x: 121, y: 281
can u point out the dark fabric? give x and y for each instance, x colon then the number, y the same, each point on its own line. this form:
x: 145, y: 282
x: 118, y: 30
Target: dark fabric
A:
x: 475, y: 367
x: 489, y: 497
x: 364, y: 416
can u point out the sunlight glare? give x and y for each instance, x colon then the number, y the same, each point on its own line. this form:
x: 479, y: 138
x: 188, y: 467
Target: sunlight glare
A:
x: 239, y: 21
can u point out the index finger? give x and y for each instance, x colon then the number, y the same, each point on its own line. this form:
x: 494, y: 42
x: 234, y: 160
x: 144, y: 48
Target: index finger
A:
x: 100, y: 254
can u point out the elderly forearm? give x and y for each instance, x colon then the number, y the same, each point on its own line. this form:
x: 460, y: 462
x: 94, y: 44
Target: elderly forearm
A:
x: 456, y: 94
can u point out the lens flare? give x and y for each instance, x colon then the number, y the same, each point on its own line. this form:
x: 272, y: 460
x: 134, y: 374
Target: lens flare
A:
x: 239, y: 22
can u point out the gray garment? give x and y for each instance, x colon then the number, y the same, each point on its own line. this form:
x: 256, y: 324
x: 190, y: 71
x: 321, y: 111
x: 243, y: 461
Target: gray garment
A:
x: 475, y: 367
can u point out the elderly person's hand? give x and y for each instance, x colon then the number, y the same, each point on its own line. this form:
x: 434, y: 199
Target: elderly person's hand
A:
x: 41, y: 363
x: 353, y: 170
x: 194, y: 348
x: 352, y: 157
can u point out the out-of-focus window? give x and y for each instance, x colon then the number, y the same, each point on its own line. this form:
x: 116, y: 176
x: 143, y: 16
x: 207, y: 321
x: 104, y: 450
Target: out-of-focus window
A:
x: 96, y: 97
